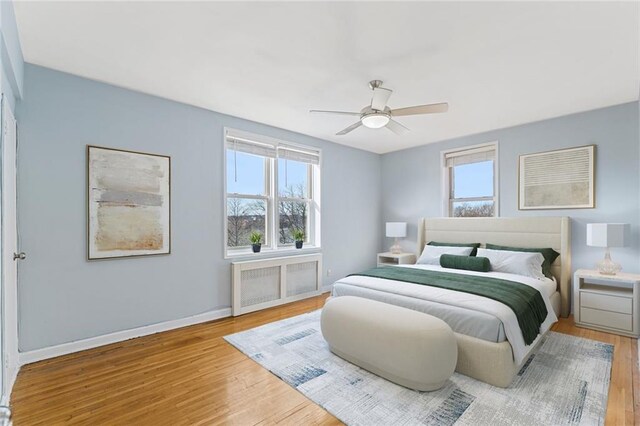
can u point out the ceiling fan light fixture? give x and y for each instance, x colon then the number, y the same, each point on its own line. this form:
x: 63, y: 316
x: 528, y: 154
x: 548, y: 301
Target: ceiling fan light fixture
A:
x: 378, y: 114
x: 375, y: 120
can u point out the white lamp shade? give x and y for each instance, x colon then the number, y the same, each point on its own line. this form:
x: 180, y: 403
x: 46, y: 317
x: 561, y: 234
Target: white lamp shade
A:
x: 606, y: 234
x: 397, y: 229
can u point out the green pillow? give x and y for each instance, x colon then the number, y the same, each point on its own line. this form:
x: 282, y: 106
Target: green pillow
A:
x: 474, y: 245
x: 549, y: 254
x: 468, y: 263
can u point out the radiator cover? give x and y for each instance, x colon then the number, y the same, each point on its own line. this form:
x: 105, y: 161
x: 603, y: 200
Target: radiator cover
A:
x: 261, y: 284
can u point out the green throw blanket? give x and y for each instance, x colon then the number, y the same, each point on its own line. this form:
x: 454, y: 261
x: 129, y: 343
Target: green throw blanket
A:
x: 526, y: 302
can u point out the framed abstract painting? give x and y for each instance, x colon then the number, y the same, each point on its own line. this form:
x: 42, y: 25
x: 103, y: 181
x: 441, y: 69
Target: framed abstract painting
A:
x: 561, y: 179
x: 129, y: 203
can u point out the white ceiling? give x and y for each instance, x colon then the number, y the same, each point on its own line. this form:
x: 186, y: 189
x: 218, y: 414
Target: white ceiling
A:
x: 497, y: 64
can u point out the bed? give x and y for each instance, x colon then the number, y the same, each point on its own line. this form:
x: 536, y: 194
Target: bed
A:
x: 488, y: 347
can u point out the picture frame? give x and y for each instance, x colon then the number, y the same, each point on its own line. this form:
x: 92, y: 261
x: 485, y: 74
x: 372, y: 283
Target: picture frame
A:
x: 558, y: 179
x: 128, y: 203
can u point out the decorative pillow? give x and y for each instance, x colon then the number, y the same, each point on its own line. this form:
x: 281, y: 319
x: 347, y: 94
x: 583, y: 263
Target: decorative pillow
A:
x: 431, y: 254
x: 474, y: 245
x: 468, y: 263
x: 550, y: 255
x: 515, y: 262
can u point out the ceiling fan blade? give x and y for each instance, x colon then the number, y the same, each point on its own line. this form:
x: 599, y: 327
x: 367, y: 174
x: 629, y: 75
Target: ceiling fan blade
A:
x: 350, y: 128
x: 380, y: 98
x: 421, y: 109
x: 396, y: 127
x: 334, y: 112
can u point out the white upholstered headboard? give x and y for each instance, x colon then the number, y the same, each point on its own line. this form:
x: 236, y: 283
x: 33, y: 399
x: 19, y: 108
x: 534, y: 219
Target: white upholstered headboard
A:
x: 530, y: 232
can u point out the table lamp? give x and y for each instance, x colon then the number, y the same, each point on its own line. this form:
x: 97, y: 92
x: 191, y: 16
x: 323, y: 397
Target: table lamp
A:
x: 607, y: 235
x: 396, y: 230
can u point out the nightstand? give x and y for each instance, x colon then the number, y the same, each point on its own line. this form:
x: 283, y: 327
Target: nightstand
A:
x: 386, y: 259
x: 607, y: 302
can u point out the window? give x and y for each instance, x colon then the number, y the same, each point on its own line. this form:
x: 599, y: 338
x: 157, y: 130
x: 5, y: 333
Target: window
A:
x: 272, y: 188
x: 470, y: 182
x: 294, y: 202
x: 247, y: 197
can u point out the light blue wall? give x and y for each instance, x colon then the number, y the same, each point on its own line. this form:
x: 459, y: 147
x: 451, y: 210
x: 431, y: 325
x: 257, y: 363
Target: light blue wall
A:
x: 62, y: 297
x: 411, y: 179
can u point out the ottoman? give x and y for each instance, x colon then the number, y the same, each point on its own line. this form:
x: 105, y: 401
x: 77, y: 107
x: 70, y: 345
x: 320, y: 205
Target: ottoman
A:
x: 407, y: 347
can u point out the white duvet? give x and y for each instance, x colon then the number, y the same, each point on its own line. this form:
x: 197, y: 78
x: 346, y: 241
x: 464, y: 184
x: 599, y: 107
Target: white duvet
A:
x: 471, y: 301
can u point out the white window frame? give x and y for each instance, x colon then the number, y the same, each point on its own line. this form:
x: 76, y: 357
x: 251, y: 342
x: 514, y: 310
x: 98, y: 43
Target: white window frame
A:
x: 447, y: 179
x: 271, y: 246
x: 267, y: 198
x: 309, y: 236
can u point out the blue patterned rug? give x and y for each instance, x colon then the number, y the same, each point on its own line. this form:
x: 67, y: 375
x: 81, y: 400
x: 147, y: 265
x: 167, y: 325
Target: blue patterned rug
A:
x: 565, y: 382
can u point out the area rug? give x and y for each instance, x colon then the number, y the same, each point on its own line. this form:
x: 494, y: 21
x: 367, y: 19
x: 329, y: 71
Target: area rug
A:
x: 565, y: 382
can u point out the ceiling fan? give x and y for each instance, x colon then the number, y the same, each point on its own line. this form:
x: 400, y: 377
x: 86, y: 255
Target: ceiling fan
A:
x: 378, y: 114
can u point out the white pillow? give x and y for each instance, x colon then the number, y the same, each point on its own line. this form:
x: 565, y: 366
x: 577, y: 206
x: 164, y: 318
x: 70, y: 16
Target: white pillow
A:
x: 431, y: 254
x: 515, y: 262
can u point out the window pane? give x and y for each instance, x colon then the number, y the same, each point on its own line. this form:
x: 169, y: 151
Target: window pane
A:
x: 245, y: 173
x: 473, y: 209
x: 293, y: 216
x: 243, y: 217
x: 473, y: 180
x: 293, y: 179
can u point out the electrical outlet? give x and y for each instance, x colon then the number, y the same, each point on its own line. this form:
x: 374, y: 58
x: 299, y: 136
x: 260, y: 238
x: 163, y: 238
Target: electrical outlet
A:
x: 328, y: 272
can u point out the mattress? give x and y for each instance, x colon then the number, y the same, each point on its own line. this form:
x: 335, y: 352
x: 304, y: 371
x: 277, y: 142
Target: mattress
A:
x: 481, y: 325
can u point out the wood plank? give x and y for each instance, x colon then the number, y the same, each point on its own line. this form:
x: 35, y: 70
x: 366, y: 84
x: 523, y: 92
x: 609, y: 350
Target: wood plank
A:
x: 191, y: 376
x: 636, y: 381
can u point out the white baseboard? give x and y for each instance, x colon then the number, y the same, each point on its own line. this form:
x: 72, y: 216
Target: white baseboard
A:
x: 11, y: 380
x: 36, y: 355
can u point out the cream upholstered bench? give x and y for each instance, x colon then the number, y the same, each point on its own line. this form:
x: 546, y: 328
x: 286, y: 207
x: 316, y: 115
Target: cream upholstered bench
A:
x: 407, y: 347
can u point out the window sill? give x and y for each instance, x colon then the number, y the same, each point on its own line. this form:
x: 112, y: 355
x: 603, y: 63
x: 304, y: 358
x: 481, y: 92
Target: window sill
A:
x: 247, y: 254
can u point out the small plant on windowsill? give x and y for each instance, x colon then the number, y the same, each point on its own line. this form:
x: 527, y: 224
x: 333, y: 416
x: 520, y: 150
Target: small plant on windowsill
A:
x: 256, y: 241
x: 298, y: 236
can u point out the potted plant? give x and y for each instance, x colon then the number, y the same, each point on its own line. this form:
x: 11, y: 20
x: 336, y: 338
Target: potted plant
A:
x: 256, y: 241
x: 298, y: 235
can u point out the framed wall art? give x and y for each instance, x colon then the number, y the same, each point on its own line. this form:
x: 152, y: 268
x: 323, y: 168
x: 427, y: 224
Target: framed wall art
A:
x: 562, y: 179
x: 129, y: 203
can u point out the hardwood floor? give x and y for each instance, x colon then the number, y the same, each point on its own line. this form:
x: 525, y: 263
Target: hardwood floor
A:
x: 191, y: 376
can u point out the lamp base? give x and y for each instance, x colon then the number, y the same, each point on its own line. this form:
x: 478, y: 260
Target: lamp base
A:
x: 395, y: 248
x: 608, y: 266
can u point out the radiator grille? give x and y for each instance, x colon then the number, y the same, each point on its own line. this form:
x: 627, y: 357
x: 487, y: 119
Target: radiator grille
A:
x: 260, y: 285
x: 301, y: 278
x: 263, y: 283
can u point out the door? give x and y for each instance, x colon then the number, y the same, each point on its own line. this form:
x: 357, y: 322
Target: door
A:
x: 9, y: 318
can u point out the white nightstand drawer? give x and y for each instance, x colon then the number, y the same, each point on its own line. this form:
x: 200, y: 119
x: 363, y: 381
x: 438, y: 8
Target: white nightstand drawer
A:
x: 623, y: 305
x: 606, y: 319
